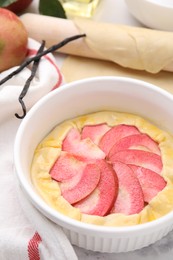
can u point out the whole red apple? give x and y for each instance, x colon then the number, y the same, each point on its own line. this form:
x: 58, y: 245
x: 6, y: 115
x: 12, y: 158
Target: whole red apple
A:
x: 19, y: 6
x: 13, y: 40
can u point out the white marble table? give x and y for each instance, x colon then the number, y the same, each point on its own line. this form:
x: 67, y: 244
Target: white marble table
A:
x: 115, y: 11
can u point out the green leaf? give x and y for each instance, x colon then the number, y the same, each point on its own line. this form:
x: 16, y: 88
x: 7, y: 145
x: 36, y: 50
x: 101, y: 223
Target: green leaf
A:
x: 51, y: 8
x: 4, y: 3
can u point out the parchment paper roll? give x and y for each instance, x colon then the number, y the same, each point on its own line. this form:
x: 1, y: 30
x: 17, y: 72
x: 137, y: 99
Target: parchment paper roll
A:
x: 130, y: 47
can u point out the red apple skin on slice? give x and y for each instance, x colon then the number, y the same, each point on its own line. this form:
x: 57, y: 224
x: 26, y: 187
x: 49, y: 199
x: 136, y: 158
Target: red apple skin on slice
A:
x: 85, y: 149
x: 114, y: 135
x: 94, y: 132
x: 81, y: 185
x: 101, y: 200
x: 151, y: 182
x: 140, y: 158
x: 66, y: 167
x: 130, y: 196
x: 139, y: 141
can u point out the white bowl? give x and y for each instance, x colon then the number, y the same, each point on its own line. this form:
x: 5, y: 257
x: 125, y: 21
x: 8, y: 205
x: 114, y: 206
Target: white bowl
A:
x: 156, y: 14
x: 81, y: 97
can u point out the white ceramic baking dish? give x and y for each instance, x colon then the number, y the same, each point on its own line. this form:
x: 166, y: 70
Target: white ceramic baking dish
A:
x: 81, y: 97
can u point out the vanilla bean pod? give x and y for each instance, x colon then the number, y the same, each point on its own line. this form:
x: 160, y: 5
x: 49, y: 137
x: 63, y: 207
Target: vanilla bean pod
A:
x: 37, y: 56
x: 28, y: 82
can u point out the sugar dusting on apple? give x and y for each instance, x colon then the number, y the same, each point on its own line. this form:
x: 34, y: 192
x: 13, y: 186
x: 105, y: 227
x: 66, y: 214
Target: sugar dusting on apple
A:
x: 13, y: 40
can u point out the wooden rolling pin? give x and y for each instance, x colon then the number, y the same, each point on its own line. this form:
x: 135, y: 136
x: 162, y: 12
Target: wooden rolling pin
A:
x: 131, y: 47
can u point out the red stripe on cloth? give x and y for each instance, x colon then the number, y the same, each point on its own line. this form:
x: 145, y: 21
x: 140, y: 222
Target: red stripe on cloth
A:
x: 59, y: 73
x: 33, y: 250
x: 31, y: 52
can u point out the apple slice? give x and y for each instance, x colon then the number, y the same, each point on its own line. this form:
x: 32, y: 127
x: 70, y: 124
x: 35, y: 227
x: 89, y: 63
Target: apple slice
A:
x: 81, y: 185
x: 66, y: 167
x: 114, y: 135
x: 101, y: 200
x: 150, y: 181
x: 140, y: 158
x: 85, y: 149
x: 94, y: 132
x: 130, y: 196
x: 139, y: 141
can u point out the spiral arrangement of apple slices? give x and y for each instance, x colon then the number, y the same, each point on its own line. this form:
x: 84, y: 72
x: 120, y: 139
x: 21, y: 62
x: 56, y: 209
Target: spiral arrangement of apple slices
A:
x: 104, y: 170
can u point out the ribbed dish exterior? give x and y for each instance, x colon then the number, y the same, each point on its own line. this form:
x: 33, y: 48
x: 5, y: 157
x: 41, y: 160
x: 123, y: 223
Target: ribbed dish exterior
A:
x: 116, y: 244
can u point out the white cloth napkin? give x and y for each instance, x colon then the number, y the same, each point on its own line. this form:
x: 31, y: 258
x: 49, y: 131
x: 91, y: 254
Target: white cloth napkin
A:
x: 47, y: 78
x: 24, y: 232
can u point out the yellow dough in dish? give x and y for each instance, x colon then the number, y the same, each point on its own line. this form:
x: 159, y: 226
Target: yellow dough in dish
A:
x: 50, y: 149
